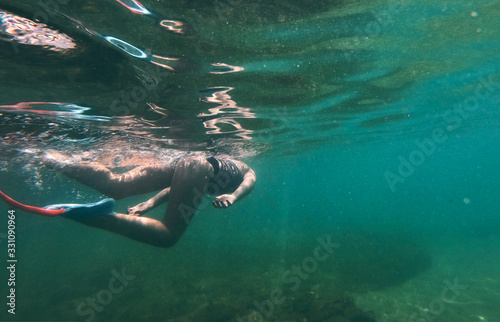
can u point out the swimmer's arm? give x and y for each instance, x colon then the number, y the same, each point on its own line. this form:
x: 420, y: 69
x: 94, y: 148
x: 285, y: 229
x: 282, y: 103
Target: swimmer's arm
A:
x: 246, y: 186
x: 244, y: 189
x: 160, y: 198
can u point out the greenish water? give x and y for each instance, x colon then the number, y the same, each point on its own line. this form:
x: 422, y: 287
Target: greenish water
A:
x: 372, y: 127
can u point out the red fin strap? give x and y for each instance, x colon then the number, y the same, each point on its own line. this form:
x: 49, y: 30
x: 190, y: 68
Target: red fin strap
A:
x: 36, y: 210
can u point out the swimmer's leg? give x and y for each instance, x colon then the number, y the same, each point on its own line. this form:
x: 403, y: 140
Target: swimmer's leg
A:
x: 188, y: 185
x: 140, y: 180
x: 143, y: 229
x: 190, y: 179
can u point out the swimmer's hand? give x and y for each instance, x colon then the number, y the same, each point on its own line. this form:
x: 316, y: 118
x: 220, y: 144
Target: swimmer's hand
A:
x: 143, y: 207
x: 140, y: 209
x: 223, y: 201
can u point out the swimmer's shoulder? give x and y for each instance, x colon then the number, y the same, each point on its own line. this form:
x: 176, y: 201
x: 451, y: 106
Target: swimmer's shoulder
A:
x: 243, y: 167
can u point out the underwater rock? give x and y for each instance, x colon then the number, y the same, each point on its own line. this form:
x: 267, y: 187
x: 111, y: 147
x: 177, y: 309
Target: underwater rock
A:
x: 370, y: 261
x: 328, y: 307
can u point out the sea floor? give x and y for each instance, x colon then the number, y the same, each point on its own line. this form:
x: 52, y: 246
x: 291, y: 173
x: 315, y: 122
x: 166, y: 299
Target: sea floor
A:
x: 463, y: 284
x: 220, y: 273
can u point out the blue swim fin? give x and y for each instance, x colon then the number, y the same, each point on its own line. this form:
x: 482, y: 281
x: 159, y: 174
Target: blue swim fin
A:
x: 84, y: 211
x: 72, y: 211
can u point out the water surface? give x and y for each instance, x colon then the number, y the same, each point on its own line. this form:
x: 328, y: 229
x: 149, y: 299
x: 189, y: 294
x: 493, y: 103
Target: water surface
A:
x: 371, y: 124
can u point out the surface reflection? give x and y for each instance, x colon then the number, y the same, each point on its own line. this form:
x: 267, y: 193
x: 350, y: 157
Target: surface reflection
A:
x: 126, y: 47
x: 222, y: 68
x: 175, y: 26
x: 27, y: 32
x: 222, y: 118
x: 66, y: 110
x: 135, y: 7
x: 170, y: 63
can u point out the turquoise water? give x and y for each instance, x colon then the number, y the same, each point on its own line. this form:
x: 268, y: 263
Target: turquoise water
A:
x: 372, y: 127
